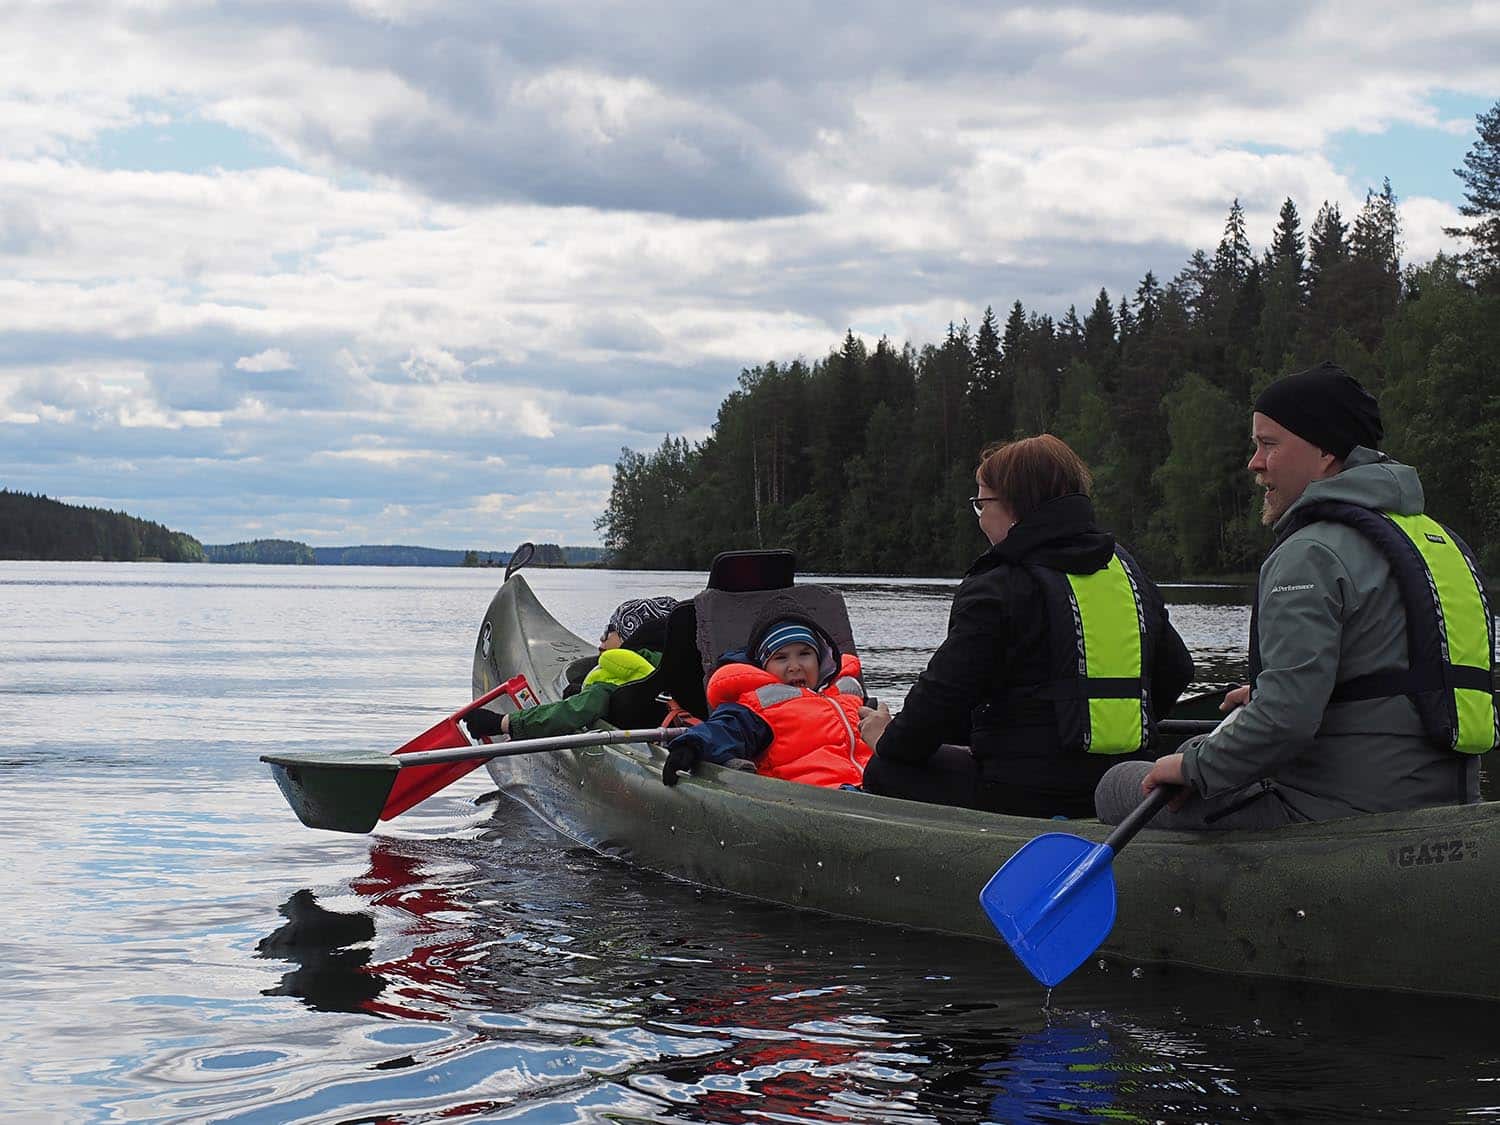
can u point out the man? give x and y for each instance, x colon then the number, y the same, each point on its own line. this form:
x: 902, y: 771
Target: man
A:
x: 1371, y: 640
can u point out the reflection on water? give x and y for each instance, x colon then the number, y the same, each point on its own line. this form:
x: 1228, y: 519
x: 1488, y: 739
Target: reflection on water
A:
x: 331, y: 976
x: 180, y: 949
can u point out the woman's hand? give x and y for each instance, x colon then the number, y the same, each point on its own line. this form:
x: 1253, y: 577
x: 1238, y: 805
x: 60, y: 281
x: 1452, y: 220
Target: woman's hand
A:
x: 1235, y: 697
x: 872, y: 723
x: 1168, y: 771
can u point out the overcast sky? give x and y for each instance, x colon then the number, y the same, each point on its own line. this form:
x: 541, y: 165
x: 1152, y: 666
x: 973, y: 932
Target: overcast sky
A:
x: 413, y: 271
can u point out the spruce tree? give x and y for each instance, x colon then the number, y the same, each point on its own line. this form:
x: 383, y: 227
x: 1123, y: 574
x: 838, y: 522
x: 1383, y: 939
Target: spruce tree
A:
x: 1233, y: 258
x: 1126, y: 320
x: 1099, y: 339
x: 1192, y: 283
x: 1148, y: 297
x: 1285, y: 274
x: 989, y: 392
x: 1327, y: 285
x: 1375, y: 275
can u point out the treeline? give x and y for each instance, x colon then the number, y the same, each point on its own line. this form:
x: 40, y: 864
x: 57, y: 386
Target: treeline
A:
x: 863, y: 461
x: 35, y: 527
x: 283, y: 552
x: 545, y: 554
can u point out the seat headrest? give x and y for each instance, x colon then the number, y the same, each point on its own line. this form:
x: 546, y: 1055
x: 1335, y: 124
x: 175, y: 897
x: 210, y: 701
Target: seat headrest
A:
x: 725, y: 619
x: 742, y: 571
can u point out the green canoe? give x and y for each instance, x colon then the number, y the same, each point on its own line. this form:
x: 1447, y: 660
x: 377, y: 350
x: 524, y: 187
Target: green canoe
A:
x: 1401, y: 901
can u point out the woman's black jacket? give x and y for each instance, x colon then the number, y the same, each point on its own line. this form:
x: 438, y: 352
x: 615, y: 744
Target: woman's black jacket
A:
x: 998, y: 640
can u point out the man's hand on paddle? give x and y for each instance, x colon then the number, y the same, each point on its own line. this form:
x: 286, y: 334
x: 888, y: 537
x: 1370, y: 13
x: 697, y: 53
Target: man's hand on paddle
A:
x: 1168, y: 771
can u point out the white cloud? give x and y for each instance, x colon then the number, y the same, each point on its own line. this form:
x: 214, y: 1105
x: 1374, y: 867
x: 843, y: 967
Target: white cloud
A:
x: 432, y: 365
x: 272, y: 359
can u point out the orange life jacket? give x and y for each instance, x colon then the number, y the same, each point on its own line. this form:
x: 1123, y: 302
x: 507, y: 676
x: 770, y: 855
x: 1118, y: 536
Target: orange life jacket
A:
x: 814, y: 734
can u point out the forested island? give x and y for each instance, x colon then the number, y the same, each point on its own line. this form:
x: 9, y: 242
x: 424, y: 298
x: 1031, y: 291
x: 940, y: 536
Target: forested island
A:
x: 861, y: 462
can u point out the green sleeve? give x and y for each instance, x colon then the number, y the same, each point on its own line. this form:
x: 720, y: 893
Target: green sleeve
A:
x: 577, y: 712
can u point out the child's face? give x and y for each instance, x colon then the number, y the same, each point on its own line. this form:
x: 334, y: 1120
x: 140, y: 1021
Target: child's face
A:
x: 795, y: 664
x: 611, y: 639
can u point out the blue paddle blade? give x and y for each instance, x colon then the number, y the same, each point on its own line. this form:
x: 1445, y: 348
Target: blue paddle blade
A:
x: 1053, y: 903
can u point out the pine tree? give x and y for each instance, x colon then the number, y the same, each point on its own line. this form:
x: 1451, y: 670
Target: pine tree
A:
x: 1481, y: 179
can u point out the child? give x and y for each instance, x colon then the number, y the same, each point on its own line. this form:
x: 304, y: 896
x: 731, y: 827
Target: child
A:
x: 795, y: 710
x: 629, y: 650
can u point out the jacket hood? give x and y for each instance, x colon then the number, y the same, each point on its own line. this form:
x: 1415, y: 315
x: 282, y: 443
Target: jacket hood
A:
x: 1369, y: 479
x: 1060, y: 534
x: 828, y: 651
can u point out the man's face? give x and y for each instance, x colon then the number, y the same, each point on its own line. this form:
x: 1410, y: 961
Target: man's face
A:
x: 1284, y: 465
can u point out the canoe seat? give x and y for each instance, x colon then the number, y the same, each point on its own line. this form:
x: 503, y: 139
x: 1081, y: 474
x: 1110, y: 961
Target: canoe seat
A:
x: 679, y: 676
x: 744, y: 586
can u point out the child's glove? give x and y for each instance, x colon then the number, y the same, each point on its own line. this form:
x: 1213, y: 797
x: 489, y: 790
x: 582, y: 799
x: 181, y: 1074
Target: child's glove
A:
x: 683, y: 753
x: 483, y: 723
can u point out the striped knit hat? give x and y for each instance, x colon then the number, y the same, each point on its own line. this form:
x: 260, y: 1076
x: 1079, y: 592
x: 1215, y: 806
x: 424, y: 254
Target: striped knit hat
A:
x: 784, y: 633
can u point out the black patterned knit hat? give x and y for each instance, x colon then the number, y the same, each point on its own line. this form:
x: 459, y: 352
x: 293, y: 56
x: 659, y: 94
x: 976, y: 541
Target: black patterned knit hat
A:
x: 641, y: 622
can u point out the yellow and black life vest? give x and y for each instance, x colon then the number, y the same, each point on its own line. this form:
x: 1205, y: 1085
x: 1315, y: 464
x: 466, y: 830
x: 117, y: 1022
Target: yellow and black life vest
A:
x: 1449, y: 629
x: 1100, y: 646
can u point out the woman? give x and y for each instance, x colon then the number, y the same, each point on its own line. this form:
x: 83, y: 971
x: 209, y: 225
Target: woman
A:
x: 1058, y: 659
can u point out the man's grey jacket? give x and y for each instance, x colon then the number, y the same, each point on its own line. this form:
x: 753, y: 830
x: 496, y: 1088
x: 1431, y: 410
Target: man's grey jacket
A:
x: 1330, y: 610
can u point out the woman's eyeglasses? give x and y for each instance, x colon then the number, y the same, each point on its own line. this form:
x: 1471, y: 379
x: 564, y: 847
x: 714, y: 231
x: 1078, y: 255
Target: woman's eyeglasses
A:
x: 978, y: 503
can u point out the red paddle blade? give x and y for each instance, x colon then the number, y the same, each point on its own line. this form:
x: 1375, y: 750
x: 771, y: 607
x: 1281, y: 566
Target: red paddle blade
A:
x: 414, y: 784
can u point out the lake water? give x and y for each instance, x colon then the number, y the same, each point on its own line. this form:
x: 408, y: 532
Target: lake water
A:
x: 181, y: 949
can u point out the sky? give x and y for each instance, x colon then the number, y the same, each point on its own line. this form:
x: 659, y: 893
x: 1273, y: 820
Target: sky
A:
x: 415, y: 271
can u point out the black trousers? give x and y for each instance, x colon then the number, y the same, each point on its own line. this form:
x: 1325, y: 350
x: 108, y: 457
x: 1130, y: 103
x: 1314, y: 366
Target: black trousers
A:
x: 953, y: 777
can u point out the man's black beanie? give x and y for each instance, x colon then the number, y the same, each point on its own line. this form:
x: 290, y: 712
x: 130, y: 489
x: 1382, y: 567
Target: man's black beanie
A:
x: 1326, y: 406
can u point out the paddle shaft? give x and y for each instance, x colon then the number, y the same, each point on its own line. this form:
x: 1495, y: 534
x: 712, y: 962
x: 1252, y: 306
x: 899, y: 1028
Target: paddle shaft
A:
x: 484, y: 753
x: 1137, y: 818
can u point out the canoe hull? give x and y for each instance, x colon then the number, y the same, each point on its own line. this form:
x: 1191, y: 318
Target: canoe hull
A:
x: 1397, y: 901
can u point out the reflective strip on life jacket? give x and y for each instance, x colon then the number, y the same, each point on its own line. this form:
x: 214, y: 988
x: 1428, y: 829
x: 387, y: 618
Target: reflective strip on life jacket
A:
x: 776, y: 693
x: 848, y: 685
x: 1110, y: 629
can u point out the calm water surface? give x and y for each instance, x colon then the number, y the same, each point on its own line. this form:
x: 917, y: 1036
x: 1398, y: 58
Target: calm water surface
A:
x: 179, y: 948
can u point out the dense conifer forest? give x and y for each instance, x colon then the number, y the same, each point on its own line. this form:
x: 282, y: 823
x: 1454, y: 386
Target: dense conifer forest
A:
x: 35, y: 527
x: 862, y: 461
